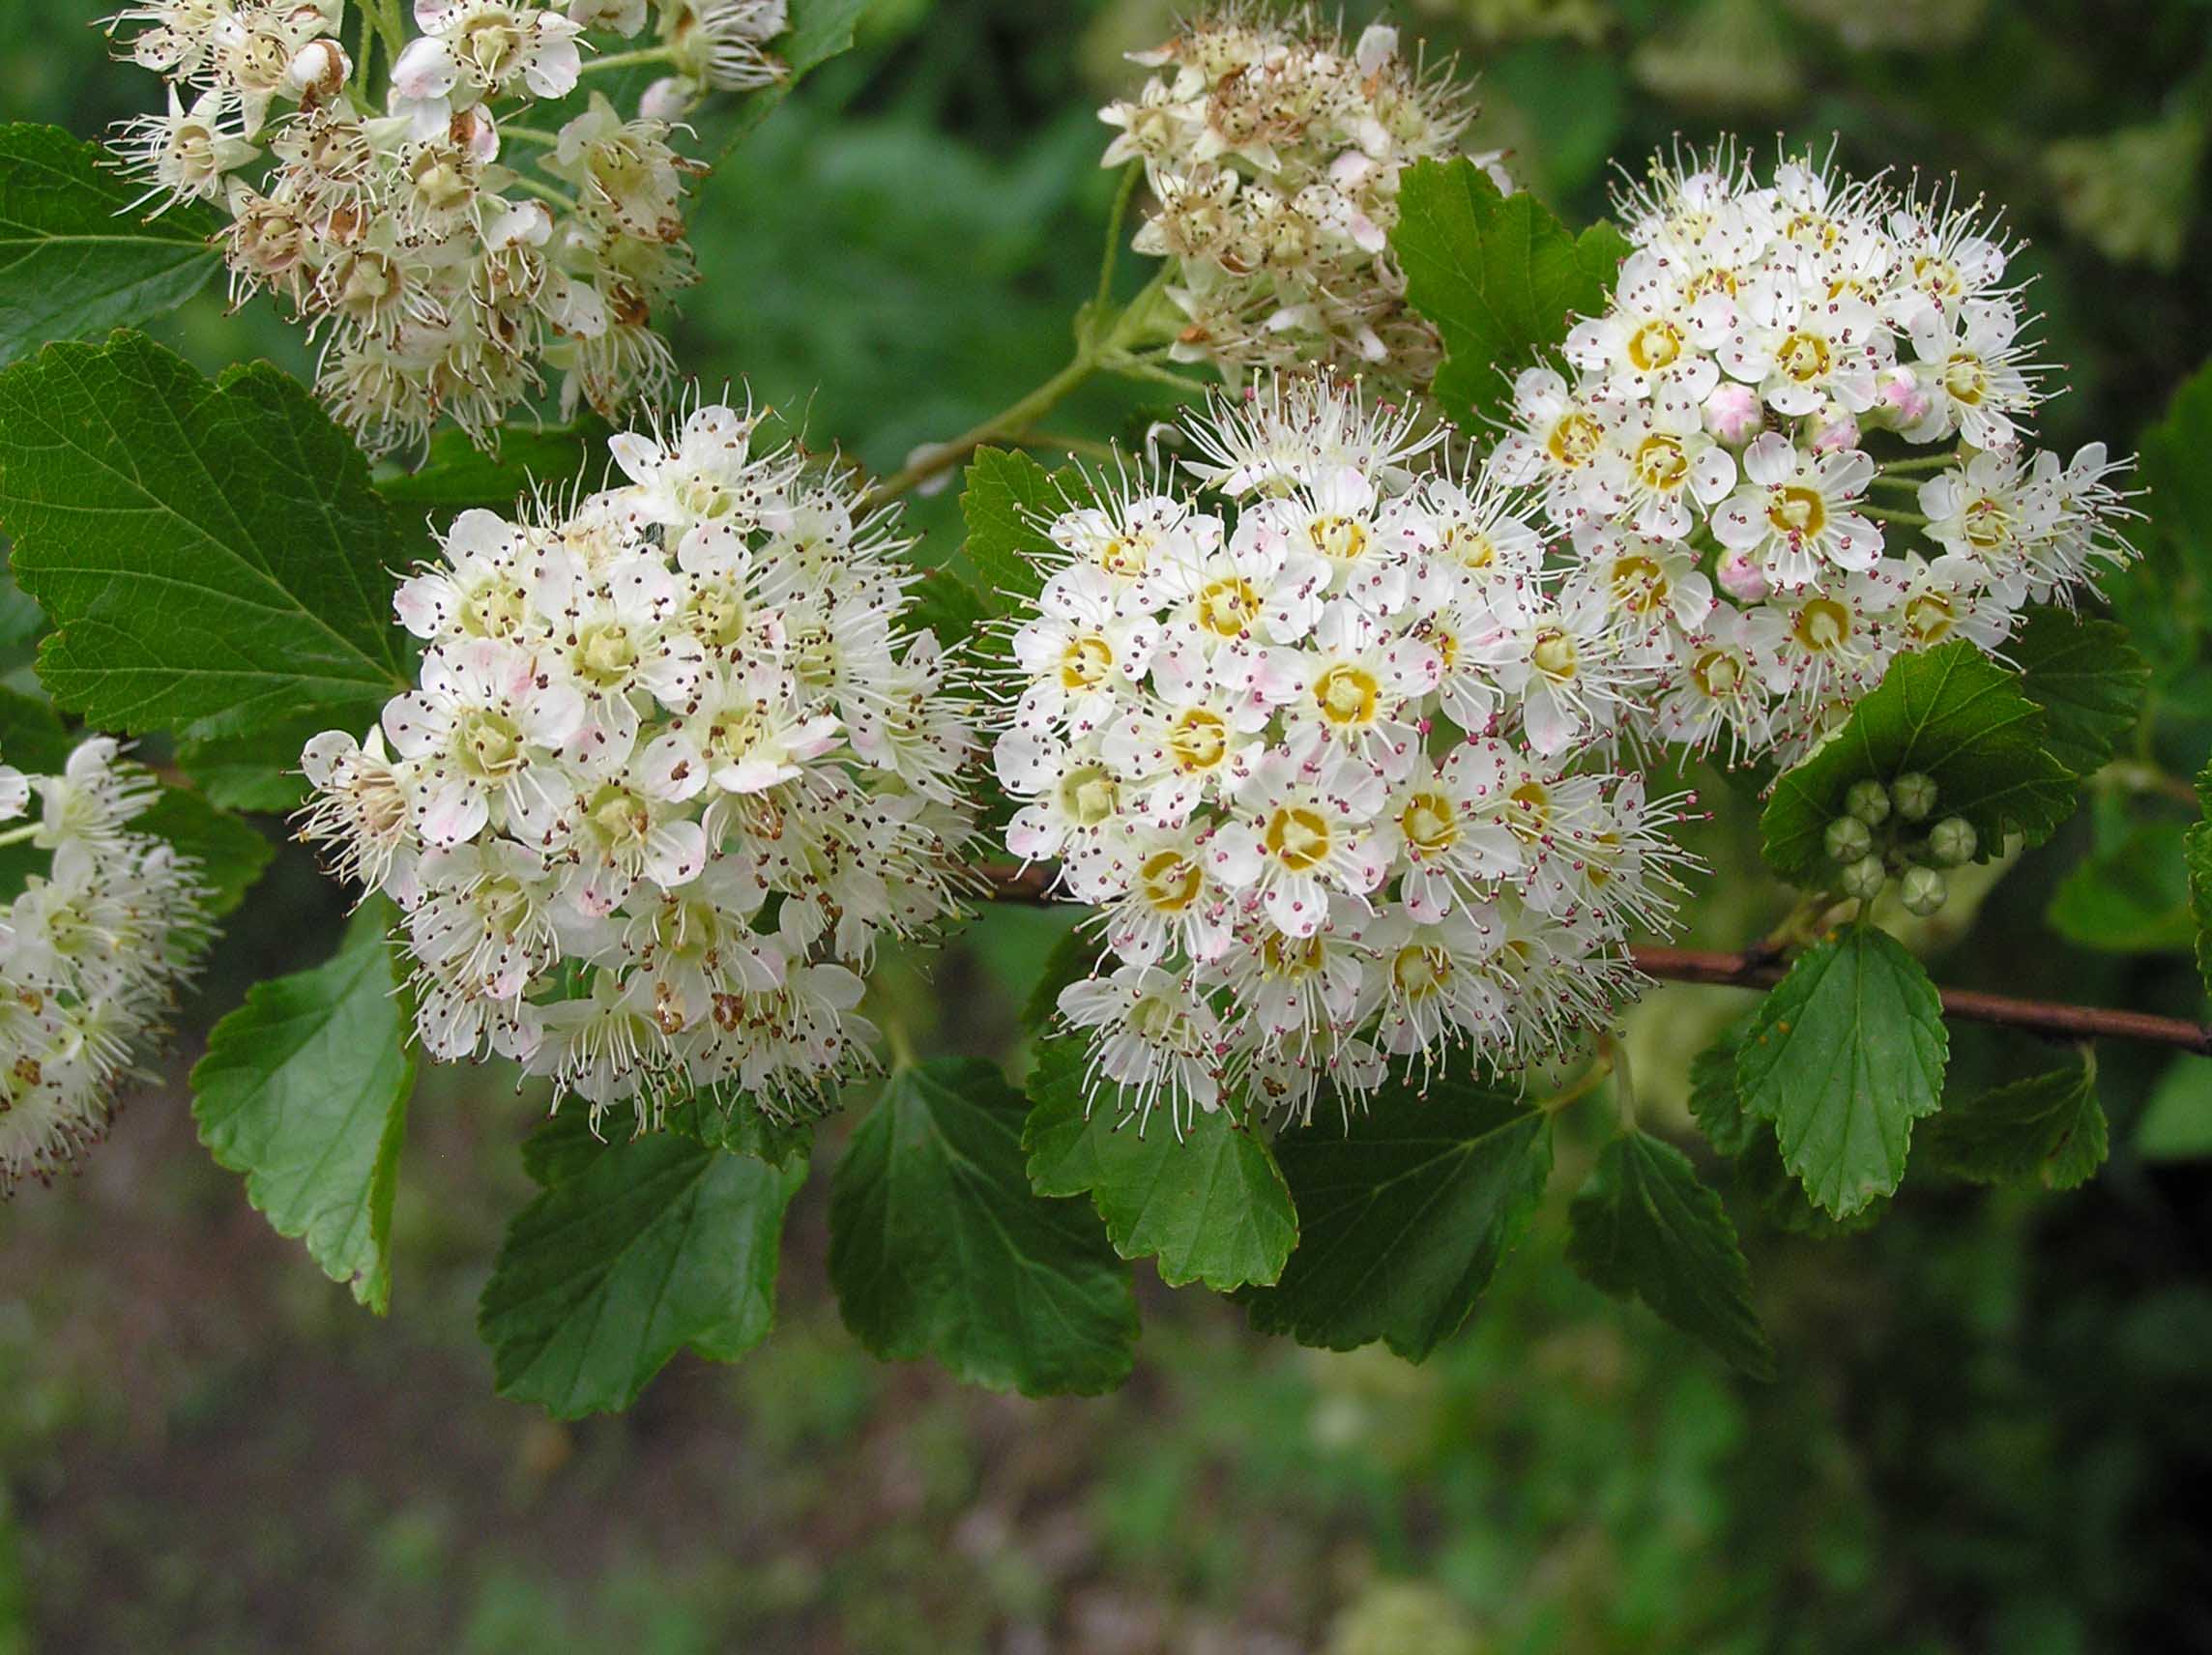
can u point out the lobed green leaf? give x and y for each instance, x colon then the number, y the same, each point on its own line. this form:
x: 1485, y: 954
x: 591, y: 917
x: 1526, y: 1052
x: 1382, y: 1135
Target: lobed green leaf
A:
x: 1845, y: 1054
x: 634, y: 1252
x: 1207, y: 1203
x: 76, y: 253
x: 1403, y: 1215
x: 1499, y: 277
x: 938, y: 1245
x: 2049, y: 1129
x: 211, y: 555
x: 1006, y: 499
x: 304, y: 1088
x: 2088, y: 679
x: 1643, y: 1224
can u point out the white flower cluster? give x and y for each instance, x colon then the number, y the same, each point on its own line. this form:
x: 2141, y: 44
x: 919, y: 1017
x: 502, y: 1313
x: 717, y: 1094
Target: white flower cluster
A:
x: 1273, y: 150
x: 1284, y: 727
x: 676, y: 764
x: 91, y: 953
x: 442, y: 275
x: 1818, y: 391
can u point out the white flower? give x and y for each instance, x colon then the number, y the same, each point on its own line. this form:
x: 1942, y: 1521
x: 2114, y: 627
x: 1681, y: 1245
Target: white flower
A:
x: 1155, y: 1039
x: 1794, y: 513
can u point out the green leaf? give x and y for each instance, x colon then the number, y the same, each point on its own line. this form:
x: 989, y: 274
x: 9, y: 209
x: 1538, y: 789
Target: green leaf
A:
x: 1499, y: 276
x: 2049, y: 1129
x: 76, y: 257
x: 1715, y: 1103
x: 633, y: 1253
x: 1845, y: 1054
x: 2176, y: 1123
x: 1403, y: 1215
x: 456, y: 474
x: 1950, y: 713
x: 212, y: 556
x: 2180, y: 486
x: 2088, y: 679
x: 304, y: 1088
x: 2196, y: 854
x: 2131, y: 897
x: 1211, y: 1205
x: 231, y: 853
x: 938, y: 1245
x: 569, y: 1140
x: 1645, y: 1224
x: 944, y: 603
x: 1007, y: 499
x: 820, y: 30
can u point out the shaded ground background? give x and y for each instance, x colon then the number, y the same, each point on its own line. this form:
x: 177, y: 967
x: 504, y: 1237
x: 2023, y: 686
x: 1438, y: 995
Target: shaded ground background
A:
x: 1991, y: 1408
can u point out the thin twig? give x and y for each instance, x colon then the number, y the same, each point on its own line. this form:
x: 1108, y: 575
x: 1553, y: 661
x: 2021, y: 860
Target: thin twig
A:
x: 1764, y: 967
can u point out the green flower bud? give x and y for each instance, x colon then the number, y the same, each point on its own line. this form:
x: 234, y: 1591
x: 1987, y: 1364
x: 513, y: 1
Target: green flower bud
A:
x: 1868, y: 801
x: 1951, y: 842
x: 1923, y: 892
x: 1865, y: 878
x: 1848, y: 839
x: 1914, y: 794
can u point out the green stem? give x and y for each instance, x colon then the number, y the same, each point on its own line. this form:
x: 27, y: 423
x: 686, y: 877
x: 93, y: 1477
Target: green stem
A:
x: 627, y: 59
x: 544, y: 192
x: 1008, y: 425
x: 1583, y: 1083
x: 17, y: 835
x: 529, y: 134
x: 364, y: 54
x: 1893, y: 514
x: 1922, y: 462
x: 392, y: 28
x: 1127, y: 188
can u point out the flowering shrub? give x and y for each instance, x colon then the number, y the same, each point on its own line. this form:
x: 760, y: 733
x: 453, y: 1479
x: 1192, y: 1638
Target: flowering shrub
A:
x: 1299, y: 723
x: 1359, y: 702
x: 642, y: 719
x: 442, y: 248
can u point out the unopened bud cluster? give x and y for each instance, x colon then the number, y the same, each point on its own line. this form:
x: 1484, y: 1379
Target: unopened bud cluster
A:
x: 1272, y: 149
x: 90, y: 952
x: 1799, y: 435
x: 1881, y: 829
x: 445, y: 251
x: 678, y: 762
x: 1287, y: 719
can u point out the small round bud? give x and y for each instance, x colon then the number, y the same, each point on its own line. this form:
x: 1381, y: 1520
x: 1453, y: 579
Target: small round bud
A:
x: 1914, y: 794
x: 1868, y: 801
x: 1951, y: 842
x: 1848, y: 839
x: 1922, y: 890
x: 1865, y: 878
x: 1742, y: 577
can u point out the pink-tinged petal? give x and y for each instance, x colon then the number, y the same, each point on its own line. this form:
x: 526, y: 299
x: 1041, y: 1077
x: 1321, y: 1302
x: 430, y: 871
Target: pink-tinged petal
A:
x: 1235, y: 856
x: 1298, y: 904
x: 453, y: 815
x: 1740, y: 522
x: 1770, y: 459
x: 1856, y: 544
x: 416, y: 725
x: 424, y: 604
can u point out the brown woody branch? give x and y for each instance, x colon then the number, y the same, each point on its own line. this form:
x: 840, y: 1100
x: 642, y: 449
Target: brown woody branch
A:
x: 1763, y: 968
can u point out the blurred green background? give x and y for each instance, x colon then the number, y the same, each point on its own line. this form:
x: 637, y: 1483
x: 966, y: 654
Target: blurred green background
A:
x: 1991, y: 1406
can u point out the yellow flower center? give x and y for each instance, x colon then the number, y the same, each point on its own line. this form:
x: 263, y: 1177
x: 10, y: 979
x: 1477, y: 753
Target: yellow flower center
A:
x: 1804, y: 356
x: 1717, y: 674
x: 1639, y: 584
x: 1929, y: 616
x: 1297, y: 836
x: 1087, y: 794
x: 1798, y: 510
x: 1553, y: 653
x: 1171, y: 881
x: 1085, y: 661
x: 1575, y: 440
x: 605, y: 654
x: 1471, y: 546
x: 1821, y: 624
x: 1654, y: 345
x: 1198, y: 738
x: 1347, y: 694
x: 1429, y: 822
x: 1282, y: 956
x: 1340, y: 539
x: 1226, y: 607
x: 1661, y: 465
x: 1967, y: 379
x: 488, y: 745
x: 1421, y: 972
